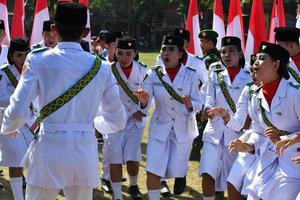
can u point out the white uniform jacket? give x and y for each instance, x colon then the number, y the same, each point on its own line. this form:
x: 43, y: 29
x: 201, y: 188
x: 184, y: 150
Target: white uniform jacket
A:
x: 215, y: 128
x: 168, y: 112
x: 134, y: 82
x: 284, y: 114
x: 292, y: 64
x: 65, y: 153
x: 3, y: 54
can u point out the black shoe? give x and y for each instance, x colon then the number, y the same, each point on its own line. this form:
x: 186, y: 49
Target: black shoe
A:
x: 106, y: 186
x: 164, y: 189
x: 1, y: 171
x: 135, y: 192
x: 219, y: 195
x: 1, y: 186
x: 179, y: 185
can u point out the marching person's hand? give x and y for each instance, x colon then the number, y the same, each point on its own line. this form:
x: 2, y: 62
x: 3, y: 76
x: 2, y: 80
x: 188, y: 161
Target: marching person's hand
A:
x: 272, y: 134
x: 240, y: 146
x: 283, y: 144
x: 187, y: 102
x: 143, y: 97
x: 137, y: 116
x: 219, y: 111
x: 296, y: 160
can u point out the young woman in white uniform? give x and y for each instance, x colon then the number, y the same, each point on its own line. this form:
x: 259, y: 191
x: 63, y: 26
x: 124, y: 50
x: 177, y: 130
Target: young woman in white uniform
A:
x: 239, y: 177
x: 173, y: 125
x: 275, y: 114
x: 125, y: 147
x: 14, y: 149
x: 225, y: 87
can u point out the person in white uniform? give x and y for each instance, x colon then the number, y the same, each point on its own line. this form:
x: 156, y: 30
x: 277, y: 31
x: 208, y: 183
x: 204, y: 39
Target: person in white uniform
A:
x: 225, y: 87
x: 124, y: 147
x: 49, y: 37
x: 70, y: 86
x: 173, y: 127
x: 239, y: 177
x: 14, y: 149
x: 188, y: 60
x: 3, y: 48
x: 110, y: 57
x: 275, y: 115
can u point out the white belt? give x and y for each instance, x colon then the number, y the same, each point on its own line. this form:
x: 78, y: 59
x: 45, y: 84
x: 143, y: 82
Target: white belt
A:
x: 67, y: 127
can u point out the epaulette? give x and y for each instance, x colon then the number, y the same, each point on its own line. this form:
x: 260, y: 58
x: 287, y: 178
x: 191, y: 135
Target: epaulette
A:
x: 142, y: 64
x: 4, y: 66
x: 155, y: 67
x: 191, y: 68
x: 297, y: 86
x: 250, y: 84
x: 102, y: 58
x: 39, y: 49
x: 36, y: 46
x: 198, y: 57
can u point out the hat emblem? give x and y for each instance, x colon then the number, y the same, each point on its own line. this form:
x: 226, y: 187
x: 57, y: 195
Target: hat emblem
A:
x: 263, y: 47
x: 180, y: 31
x: 129, y: 44
x: 203, y: 34
x: 170, y: 40
x: 228, y: 40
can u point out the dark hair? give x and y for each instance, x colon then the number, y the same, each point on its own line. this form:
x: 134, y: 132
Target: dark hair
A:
x: 214, y: 41
x: 71, y: 33
x: 9, y: 54
x: 137, y: 56
x: 283, y: 68
x: 184, y: 55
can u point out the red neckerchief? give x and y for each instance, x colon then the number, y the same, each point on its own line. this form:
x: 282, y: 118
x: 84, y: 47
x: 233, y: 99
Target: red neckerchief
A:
x: 110, y: 60
x: 127, y: 70
x: 184, y: 60
x: 270, y: 89
x: 172, y: 72
x: 296, y: 59
x: 20, y: 69
x: 233, y: 71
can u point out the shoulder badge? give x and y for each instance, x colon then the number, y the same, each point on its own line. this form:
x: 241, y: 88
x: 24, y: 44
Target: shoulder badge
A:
x: 198, y: 57
x: 142, y: 64
x: 191, y: 68
x: 297, y: 86
x: 39, y: 49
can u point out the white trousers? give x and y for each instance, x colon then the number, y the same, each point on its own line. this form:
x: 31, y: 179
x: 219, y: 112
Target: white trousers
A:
x: 71, y: 193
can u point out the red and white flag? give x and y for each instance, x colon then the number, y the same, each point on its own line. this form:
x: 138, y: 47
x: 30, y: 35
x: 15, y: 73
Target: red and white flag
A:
x: 277, y: 18
x: 298, y: 17
x: 4, y: 17
x: 193, y: 26
x: 88, y: 24
x: 257, y: 29
x: 235, y: 25
x: 41, y: 14
x: 218, y: 21
x: 17, y: 27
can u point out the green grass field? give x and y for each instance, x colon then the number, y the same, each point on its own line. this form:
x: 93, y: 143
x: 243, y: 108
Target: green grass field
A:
x: 193, y: 190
